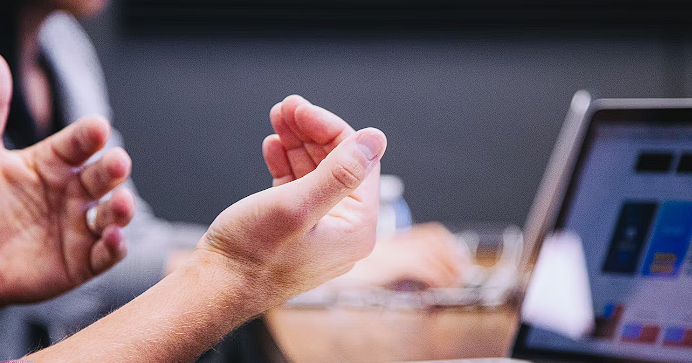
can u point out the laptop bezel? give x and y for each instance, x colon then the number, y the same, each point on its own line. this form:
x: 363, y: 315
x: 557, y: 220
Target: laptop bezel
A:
x: 555, y: 194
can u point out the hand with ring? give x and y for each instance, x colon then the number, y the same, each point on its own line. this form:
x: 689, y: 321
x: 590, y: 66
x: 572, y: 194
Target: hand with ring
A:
x: 47, y: 246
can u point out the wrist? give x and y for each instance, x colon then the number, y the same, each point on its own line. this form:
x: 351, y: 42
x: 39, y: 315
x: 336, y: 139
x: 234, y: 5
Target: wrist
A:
x: 260, y: 283
x: 241, y: 287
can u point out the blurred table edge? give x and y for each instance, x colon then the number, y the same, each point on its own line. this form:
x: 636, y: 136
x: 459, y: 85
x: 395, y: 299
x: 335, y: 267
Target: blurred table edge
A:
x: 351, y: 334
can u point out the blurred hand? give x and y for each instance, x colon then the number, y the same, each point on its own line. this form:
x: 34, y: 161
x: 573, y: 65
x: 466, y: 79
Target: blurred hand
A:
x: 46, y: 247
x: 426, y: 256
x: 318, y: 220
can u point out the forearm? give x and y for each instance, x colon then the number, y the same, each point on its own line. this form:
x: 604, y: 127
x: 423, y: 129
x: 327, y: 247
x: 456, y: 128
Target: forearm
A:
x: 174, y: 321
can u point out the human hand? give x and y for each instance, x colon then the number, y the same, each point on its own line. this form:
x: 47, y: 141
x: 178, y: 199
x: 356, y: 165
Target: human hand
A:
x: 426, y: 256
x: 46, y: 247
x: 317, y: 221
x: 305, y: 135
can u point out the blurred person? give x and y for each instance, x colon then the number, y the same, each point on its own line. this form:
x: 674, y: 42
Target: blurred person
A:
x: 58, y: 79
x: 256, y: 254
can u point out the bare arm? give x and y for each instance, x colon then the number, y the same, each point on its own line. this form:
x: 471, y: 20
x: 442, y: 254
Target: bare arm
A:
x: 174, y: 321
x: 258, y: 252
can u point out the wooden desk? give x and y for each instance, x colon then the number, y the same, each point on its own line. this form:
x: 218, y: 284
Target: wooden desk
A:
x: 391, y: 335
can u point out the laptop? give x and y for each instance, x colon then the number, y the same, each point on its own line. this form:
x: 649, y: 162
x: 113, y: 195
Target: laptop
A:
x: 621, y: 179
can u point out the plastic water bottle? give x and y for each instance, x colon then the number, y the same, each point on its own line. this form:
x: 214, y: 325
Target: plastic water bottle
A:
x: 394, y: 214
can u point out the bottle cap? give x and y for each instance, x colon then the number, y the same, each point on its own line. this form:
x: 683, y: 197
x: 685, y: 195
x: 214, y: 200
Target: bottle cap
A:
x: 391, y: 187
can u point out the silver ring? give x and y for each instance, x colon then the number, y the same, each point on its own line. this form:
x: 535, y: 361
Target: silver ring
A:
x: 91, y: 220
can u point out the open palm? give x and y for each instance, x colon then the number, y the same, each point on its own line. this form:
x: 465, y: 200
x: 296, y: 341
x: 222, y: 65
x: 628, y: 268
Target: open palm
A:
x: 46, y: 247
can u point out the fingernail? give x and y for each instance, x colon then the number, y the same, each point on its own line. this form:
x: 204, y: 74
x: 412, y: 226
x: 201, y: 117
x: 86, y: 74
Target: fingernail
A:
x: 370, y: 146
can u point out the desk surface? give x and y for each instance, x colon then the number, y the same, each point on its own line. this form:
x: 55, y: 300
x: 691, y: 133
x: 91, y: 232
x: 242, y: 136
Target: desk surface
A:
x: 390, y: 335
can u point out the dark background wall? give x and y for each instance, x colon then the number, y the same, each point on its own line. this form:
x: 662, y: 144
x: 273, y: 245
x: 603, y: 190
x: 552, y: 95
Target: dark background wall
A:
x: 471, y: 113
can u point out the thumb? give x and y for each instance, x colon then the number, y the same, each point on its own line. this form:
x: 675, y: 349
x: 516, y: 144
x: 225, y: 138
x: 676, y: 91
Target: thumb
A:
x: 5, y: 94
x: 342, y: 173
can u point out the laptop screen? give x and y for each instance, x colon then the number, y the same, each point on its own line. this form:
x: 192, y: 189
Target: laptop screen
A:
x: 630, y: 201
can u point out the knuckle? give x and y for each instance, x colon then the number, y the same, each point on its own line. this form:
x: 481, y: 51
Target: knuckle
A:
x: 120, y: 213
x: 349, y: 176
x: 79, y: 141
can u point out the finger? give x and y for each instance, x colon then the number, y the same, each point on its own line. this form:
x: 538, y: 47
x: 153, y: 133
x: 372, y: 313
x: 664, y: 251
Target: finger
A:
x: 440, y: 279
x: 446, y: 274
x: 116, y: 211
x: 276, y: 159
x: 436, y: 240
x: 108, y: 250
x: 321, y: 126
x: 322, y: 130
x: 76, y: 143
x: 312, y: 135
x: 288, y: 114
x: 429, y: 269
x: 299, y: 159
x: 5, y: 94
x: 281, y: 128
x: 106, y: 173
x: 317, y: 152
x: 441, y: 246
x: 453, y: 259
x: 341, y: 174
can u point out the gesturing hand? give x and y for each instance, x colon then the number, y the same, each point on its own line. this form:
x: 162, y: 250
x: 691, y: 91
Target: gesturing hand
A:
x: 305, y: 135
x: 318, y: 220
x: 46, y: 247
